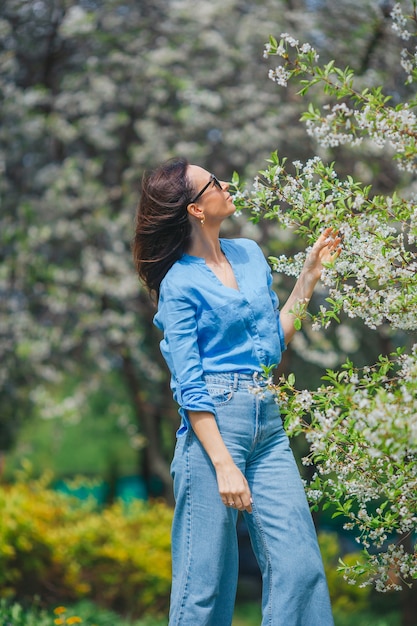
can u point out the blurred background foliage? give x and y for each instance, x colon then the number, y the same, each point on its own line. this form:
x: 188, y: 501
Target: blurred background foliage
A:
x: 92, y: 94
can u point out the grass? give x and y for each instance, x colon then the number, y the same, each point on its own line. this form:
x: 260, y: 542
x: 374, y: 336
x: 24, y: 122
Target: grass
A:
x: 247, y: 614
x: 367, y: 618
x: 88, y: 614
x: 250, y: 615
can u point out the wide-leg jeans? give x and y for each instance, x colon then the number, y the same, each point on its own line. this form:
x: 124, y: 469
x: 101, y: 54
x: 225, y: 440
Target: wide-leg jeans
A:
x: 204, y: 538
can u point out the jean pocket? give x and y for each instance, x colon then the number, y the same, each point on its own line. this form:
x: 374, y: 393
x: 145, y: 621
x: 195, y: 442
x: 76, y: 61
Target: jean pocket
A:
x: 220, y: 394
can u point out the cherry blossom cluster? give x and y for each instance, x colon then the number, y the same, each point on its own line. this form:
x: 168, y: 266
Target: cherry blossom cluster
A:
x: 375, y: 277
x: 357, y: 115
x: 361, y: 424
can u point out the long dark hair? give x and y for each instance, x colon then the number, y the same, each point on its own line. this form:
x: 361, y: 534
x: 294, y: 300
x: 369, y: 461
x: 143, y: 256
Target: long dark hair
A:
x: 162, y: 224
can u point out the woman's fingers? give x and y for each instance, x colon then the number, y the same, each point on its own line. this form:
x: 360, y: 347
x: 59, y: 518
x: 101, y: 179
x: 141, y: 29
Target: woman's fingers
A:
x: 240, y: 503
x: 234, y: 491
x: 233, y: 487
x: 329, y: 243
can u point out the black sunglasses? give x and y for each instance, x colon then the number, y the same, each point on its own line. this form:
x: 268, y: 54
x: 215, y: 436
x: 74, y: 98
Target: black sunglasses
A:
x: 213, y: 180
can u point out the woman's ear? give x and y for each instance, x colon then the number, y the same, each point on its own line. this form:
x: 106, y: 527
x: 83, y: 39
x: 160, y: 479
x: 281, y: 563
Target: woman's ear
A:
x: 195, y: 210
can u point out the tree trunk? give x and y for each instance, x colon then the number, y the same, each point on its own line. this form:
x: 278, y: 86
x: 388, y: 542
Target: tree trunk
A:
x: 2, y: 463
x: 148, y: 416
x: 409, y: 606
x: 409, y: 594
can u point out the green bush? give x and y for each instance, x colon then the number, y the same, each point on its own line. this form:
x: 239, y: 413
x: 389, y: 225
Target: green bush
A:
x: 14, y: 615
x: 60, y: 549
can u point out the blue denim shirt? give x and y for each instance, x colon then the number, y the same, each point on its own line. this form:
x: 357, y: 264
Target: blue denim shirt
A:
x: 210, y: 328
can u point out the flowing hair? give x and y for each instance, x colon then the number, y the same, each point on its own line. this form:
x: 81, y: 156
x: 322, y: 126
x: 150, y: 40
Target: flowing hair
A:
x: 162, y: 225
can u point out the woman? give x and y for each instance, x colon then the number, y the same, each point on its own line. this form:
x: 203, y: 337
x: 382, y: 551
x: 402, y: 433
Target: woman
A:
x: 221, y: 325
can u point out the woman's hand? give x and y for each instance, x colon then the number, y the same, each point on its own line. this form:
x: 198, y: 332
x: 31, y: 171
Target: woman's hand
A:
x: 325, y: 250
x: 233, y: 487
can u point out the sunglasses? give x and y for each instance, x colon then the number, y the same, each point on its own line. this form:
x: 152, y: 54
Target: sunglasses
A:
x: 213, y: 180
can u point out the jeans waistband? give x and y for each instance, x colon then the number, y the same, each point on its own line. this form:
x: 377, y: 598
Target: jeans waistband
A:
x: 237, y: 380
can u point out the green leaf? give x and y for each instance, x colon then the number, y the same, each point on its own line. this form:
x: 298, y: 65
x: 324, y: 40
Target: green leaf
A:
x: 291, y: 379
x: 297, y: 323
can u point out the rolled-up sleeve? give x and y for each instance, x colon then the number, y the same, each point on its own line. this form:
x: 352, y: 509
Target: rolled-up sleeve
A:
x: 177, y: 318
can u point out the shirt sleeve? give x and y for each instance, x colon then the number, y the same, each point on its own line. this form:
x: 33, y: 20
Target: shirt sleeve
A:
x: 177, y: 318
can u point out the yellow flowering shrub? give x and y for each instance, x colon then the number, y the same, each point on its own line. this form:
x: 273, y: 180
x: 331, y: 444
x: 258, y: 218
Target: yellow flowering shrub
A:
x: 27, y: 557
x: 60, y: 549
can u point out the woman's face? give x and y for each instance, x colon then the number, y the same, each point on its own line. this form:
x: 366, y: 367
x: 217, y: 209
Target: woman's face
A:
x: 214, y: 204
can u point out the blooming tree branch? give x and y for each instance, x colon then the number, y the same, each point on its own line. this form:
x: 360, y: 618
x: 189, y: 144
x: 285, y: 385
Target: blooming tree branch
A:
x: 361, y: 424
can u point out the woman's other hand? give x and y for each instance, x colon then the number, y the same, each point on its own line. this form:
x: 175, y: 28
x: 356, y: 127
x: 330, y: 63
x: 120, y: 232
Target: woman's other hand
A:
x: 233, y: 486
x: 325, y: 250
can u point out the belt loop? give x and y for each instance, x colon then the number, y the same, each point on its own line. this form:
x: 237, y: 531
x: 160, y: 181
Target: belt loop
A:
x: 235, y: 381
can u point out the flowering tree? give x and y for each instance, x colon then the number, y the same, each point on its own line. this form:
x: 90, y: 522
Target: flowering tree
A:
x: 361, y: 423
x: 92, y: 94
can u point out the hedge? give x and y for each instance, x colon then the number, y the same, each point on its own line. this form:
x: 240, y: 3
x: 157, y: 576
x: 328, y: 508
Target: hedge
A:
x: 60, y: 549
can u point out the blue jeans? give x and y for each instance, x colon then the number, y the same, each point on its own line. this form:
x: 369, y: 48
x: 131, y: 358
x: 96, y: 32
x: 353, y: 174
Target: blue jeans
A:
x: 204, y: 540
